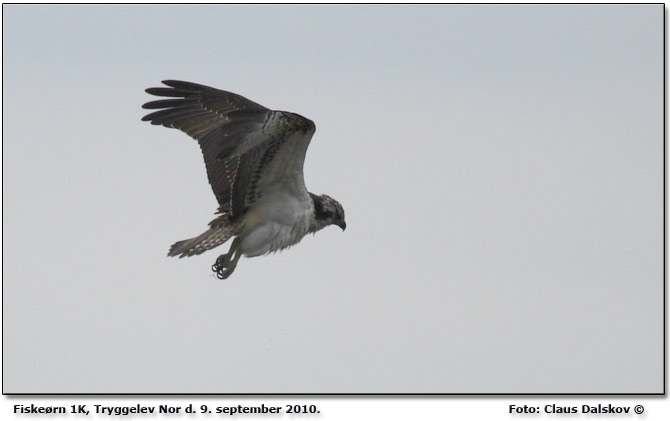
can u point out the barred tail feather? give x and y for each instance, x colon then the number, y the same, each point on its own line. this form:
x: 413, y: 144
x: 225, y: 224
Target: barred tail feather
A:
x: 207, y: 240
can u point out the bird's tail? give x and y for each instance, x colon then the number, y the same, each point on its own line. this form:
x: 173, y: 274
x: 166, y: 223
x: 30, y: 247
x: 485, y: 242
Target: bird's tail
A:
x: 219, y: 232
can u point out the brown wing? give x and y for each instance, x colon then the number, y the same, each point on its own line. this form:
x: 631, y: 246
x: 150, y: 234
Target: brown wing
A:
x: 238, y: 137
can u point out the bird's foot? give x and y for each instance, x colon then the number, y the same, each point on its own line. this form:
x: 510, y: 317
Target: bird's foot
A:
x: 224, y: 273
x: 223, y: 267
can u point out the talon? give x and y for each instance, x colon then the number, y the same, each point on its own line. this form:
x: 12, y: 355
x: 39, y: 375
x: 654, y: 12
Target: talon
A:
x: 220, y: 263
x: 223, y: 273
x: 225, y: 263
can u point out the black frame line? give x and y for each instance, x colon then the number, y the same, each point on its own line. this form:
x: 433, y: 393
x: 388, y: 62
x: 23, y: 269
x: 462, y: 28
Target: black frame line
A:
x: 13, y: 395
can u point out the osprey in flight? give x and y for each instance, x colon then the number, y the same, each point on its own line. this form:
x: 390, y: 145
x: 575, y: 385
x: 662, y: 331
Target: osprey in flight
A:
x: 254, y: 158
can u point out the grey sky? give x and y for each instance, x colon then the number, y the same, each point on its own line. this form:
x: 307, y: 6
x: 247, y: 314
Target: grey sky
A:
x: 500, y: 166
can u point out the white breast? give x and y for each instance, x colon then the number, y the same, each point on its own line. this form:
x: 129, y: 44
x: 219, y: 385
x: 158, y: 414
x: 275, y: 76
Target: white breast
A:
x: 276, y: 221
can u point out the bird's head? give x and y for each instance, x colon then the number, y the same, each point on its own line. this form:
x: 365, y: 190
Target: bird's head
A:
x: 327, y: 211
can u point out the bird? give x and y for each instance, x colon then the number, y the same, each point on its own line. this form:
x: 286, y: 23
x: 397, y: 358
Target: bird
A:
x: 254, y: 159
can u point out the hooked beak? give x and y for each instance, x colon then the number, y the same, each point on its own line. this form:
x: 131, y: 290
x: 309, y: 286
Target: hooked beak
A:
x: 342, y: 225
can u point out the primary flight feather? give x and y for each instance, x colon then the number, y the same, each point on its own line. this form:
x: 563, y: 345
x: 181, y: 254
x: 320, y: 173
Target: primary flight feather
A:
x: 254, y: 159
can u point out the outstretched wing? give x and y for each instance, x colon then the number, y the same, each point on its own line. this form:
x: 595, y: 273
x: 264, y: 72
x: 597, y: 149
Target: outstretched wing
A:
x: 248, y: 149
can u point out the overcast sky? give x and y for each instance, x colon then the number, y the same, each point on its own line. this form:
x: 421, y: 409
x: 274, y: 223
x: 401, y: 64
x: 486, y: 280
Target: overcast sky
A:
x: 500, y: 167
